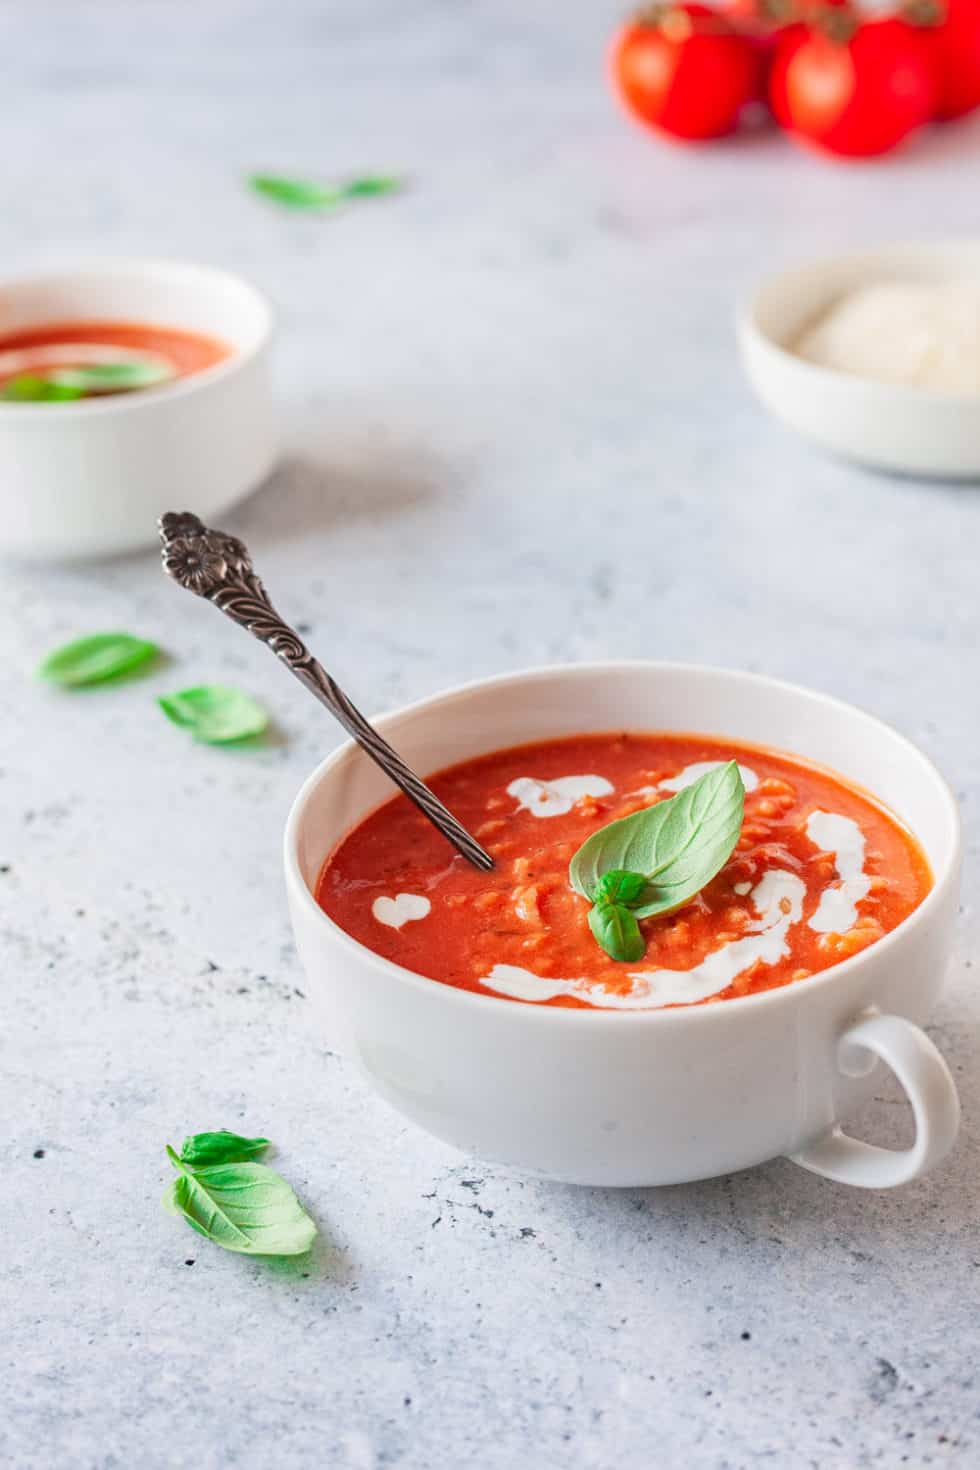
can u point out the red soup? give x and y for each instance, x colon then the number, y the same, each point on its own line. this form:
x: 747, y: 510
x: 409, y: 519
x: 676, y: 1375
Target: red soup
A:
x: 81, y: 359
x: 819, y: 871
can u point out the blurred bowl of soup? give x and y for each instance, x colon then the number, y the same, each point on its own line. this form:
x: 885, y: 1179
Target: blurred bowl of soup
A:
x: 126, y: 386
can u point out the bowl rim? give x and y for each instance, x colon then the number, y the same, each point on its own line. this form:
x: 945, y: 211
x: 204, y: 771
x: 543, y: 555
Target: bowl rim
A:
x: 697, y: 1014
x: 149, y: 266
x: 750, y: 331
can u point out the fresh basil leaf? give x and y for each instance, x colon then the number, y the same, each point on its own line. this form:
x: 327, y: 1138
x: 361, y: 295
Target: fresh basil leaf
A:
x: 27, y: 388
x: 678, y: 845
x: 214, y: 713
x: 171, y: 1203
x: 616, y: 930
x: 295, y: 193
x: 618, y: 886
x: 112, y: 377
x: 203, y: 1149
x: 307, y: 194
x: 244, y: 1207
x: 370, y: 186
x: 95, y: 659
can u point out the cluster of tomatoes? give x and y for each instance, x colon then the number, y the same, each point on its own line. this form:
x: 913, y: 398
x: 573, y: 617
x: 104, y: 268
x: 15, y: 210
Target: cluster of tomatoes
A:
x: 849, y: 83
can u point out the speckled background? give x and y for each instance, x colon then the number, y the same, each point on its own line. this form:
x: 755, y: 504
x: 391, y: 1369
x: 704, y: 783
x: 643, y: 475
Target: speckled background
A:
x: 516, y: 431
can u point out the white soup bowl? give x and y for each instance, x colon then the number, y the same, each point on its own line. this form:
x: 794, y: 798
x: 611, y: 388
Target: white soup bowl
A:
x: 889, y: 426
x: 90, y: 478
x: 660, y: 1096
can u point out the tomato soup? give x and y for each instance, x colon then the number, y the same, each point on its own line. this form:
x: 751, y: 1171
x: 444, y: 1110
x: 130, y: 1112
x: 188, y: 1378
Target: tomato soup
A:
x: 50, y: 351
x: 819, y: 872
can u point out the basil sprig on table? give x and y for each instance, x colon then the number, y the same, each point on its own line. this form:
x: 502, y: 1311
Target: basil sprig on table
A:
x: 226, y: 1196
x: 215, y: 713
x: 656, y: 860
x: 96, y: 658
x: 202, y: 1149
x: 307, y: 194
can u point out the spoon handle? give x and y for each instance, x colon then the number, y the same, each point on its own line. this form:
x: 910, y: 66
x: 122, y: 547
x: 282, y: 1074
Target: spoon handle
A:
x: 218, y: 567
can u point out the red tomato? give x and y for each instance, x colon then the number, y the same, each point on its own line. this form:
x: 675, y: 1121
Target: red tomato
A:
x: 861, y: 94
x: 785, y: 47
x: 777, y: 27
x: 951, y: 30
x: 685, y: 70
x: 768, y: 25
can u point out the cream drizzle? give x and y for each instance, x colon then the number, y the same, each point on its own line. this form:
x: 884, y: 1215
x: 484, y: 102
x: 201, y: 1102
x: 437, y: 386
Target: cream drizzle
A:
x: 836, y: 912
x: 404, y: 909
x: 555, y: 798
x: 690, y: 774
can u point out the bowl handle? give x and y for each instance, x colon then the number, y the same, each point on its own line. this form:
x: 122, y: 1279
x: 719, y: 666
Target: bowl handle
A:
x: 929, y: 1087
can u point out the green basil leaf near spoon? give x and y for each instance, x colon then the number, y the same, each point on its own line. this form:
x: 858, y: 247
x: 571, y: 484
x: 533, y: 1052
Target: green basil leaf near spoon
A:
x: 651, y: 863
x: 96, y: 659
x: 215, y: 713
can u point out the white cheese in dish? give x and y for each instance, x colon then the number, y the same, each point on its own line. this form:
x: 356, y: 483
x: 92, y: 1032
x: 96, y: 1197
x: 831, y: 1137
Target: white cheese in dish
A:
x: 923, y: 334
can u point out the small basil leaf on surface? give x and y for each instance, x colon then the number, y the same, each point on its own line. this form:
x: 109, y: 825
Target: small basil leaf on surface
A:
x: 215, y: 713
x: 112, y: 377
x: 95, y: 659
x: 619, y: 886
x: 202, y: 1149
x: 307, y: 194
x: 370, y: 186
x: 27, y: 388
x: 677, y: 845
x: 616, y: 930
x: 244, y: 1207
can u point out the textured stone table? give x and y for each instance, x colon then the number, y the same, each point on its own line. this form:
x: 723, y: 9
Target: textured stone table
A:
x: 515, y: 432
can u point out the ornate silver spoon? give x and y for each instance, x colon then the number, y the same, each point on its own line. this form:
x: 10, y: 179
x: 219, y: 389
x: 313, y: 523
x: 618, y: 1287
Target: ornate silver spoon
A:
x: 218, y: 567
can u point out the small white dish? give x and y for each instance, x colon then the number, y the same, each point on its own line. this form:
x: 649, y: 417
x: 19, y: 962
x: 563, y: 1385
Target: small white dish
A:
x: 90, y: 478
x: 902, y: 429
x: 644, y: 1097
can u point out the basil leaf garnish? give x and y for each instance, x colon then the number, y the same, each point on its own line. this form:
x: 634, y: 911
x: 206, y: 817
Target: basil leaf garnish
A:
x: 676, y: 847
x: 95, y: 659
x: 202, y: 1149
x: 65, y: 385
x: 244, y: 1207
x: 28, y: 388
x: 307, y: 194
x: 617, y: 931
x: 214, y: 713
x: 111, y: 377
x: 619, y: 886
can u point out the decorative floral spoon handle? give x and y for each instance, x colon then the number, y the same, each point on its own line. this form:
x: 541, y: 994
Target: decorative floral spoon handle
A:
x: 219, y: 568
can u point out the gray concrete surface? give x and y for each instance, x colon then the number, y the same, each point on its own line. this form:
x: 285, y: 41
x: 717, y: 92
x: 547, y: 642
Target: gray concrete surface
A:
x: 516, y: 431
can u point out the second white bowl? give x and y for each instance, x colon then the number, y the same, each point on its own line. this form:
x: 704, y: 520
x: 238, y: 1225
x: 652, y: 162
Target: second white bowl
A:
x: 908, y: 430
x: 90, y: 478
